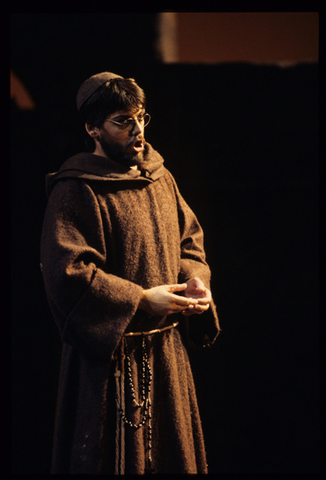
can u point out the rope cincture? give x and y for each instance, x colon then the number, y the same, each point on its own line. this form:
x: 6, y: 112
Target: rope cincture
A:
x: 151, y: 332
x: 144, y: 402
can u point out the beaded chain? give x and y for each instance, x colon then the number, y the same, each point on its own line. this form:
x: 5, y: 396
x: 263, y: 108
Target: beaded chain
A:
x: 144, y: 402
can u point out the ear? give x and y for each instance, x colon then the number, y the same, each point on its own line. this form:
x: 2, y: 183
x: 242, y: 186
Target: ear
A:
x: 92, y: 130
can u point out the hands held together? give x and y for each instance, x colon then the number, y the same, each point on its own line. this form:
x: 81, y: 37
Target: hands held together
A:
x: 163, y: 301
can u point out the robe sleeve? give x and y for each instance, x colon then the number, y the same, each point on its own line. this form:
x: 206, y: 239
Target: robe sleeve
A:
x: 203, y: 329
x: 91, y: 306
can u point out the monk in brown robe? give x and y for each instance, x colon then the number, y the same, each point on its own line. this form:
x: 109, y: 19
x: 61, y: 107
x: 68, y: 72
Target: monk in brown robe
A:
x: 127, y: 281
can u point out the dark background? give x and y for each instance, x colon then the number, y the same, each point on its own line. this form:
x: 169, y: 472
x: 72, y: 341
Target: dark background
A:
x: 242, y: 143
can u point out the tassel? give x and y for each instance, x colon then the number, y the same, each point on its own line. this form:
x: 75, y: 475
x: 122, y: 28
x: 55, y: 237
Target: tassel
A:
x: 122, y: 404
x: 120, y: 401
x: 117, y: 429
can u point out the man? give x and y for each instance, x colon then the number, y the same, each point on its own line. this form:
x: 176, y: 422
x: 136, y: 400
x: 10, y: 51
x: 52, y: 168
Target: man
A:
x: 127, y: 281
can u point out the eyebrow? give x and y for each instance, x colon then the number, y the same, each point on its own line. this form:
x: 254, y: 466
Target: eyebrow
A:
x: 141, y: 112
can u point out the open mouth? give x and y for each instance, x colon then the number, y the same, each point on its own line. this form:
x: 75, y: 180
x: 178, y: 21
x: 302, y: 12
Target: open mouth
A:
x: 138, y: 146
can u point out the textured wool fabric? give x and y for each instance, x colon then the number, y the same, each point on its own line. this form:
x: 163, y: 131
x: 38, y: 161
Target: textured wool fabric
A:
x: 109, y: 232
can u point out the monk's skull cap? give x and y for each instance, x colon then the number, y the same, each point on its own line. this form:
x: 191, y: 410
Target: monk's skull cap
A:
x: 91, y: 85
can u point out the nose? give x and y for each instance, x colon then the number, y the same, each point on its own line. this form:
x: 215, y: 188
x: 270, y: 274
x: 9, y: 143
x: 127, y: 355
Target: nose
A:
x: 136, y: 128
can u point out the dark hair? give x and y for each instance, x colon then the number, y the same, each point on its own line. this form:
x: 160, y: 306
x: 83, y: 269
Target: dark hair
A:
x: 116, y: 94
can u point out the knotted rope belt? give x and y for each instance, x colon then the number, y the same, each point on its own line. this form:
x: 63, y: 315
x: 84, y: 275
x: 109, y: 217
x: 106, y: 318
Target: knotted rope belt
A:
x: 151, y: 332
x: 144, y: 402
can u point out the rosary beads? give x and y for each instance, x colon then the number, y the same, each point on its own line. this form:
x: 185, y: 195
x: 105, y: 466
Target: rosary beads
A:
x: 144, y: 401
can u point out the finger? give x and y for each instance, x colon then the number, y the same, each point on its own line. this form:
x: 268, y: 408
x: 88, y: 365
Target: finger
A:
x: 204, y: 301
x: 195, y: 310
x: 184, y: 301
x: 203, y: 290
x: 180, y: 308
x: 207, y: 297
x: 179, y: 287
x: 201, y: 308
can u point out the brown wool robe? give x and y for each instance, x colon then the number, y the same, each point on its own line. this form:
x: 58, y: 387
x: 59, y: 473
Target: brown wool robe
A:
x: 109, y: 232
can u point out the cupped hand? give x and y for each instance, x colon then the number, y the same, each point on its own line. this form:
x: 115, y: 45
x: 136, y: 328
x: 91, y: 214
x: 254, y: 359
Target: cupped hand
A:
x: 163, y: 301
x: 197, y: 290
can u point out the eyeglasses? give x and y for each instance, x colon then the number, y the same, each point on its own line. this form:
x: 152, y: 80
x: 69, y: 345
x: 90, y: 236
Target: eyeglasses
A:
x: 129, y: 123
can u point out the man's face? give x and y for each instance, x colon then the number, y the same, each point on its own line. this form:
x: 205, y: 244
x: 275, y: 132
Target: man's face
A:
x: 124, y: 145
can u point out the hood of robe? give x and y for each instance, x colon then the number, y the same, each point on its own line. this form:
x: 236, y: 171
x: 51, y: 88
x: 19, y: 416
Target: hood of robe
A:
x: 88, y: 166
